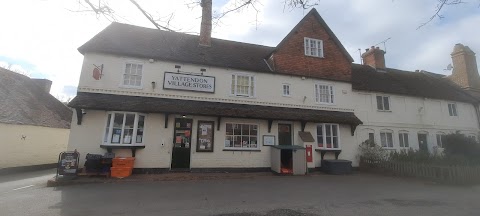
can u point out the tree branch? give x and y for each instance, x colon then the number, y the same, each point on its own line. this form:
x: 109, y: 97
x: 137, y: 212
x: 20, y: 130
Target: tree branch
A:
x: 440, y: 6
x: 150, y: 18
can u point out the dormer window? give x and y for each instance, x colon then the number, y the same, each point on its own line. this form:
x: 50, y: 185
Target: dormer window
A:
x: 313, y: 47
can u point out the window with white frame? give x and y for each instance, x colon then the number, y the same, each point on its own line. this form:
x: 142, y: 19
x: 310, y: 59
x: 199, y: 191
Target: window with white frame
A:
x: 324, y: 94
x: 286, y: 89
x: 243, y: 85
x: 132, y: 75
x: 452, y: 109
x: 124, y: 128
x: 383, y: 103
x: 327, y: 136
x: 313, y: 47
x: 386, y: 138
x: 241, y: 136
x: 441, y: 139
x: 403, y: 139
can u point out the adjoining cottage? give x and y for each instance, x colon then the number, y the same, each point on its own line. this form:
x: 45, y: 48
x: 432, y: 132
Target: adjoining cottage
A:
x: 176, y: 104
x: 34, y: 125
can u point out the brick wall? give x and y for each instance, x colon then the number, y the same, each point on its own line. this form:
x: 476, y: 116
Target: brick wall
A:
x: 290, y: 57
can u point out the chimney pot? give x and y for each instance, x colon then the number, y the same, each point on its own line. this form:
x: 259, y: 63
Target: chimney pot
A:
x: 374, y: 57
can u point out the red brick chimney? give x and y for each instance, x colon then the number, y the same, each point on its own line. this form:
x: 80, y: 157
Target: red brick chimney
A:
x: 206, y: 26
x: 375, y: 57
x: 465, y: 71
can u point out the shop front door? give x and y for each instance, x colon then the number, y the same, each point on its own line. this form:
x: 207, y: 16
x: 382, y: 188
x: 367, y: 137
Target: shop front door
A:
x: 182, y: 142
x: 285, y: 134
x: 422, y: 142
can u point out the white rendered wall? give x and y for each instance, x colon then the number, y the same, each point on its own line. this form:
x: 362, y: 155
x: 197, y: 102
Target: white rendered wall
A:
x: 26, y: 145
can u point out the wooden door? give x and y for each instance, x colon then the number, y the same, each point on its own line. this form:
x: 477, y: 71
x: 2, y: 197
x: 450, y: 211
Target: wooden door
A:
x: 182, y: 143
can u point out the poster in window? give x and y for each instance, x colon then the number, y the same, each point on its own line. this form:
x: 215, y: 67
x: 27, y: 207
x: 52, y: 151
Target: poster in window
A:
x: 205, y: 136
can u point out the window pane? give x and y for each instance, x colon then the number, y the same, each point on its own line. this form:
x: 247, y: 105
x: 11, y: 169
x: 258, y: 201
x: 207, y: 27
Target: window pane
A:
x: 389, y: 139
x: 127, y: 68
x: 405, y: 140
x: 379, y: 103
x: 335, y: 130
x: 386, y: 103
x: 133, y: 70
x: 107, y: 129
x: 139, y: 70
x: 320, y: 135
x: 383, y: 139
x: 252, y: 86
x: 335, y: 142
x: 140, y: 125
x: 229, y: 129
x: 128, y: 129
x: 233, y: 85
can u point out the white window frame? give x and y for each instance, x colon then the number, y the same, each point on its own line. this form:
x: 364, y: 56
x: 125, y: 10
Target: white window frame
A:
x: 331, y: 94
x: 135, y: 129
x: 452, y: 109
x: 387, y: 146
x: 234, y: 82
x: 402, y: 140
x: 242, y: 148
x: 286, y: 90
x: 383, y: 103
x: 122, y: 80
x: 440, y: 138
x: 318, y: 47
x: 324, y: 136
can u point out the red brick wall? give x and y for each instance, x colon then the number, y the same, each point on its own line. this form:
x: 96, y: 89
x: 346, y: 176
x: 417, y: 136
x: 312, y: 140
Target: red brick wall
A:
x: 290, y: 57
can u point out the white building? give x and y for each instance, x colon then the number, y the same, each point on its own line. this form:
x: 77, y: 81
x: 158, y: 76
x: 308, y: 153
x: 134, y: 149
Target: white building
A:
x: 173, y: 103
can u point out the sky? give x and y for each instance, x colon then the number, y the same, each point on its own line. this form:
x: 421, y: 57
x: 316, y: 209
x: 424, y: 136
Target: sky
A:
x: 40, y: 37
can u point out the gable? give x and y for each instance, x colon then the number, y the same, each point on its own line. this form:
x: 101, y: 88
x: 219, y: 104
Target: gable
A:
x: 289, y: 56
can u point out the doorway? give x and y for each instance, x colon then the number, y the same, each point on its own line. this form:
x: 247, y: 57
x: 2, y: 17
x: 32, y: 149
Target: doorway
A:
x: 422, y: 142
x: 182, y: 142
x: 285, y: 134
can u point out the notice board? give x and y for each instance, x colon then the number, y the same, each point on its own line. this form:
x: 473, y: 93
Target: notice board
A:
x: 205, y: 136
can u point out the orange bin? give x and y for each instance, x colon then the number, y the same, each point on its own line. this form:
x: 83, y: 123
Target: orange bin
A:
x: 120, y: 172
x: 123, y: 162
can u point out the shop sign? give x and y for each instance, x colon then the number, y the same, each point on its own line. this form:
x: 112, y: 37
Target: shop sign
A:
x: 188, y: 82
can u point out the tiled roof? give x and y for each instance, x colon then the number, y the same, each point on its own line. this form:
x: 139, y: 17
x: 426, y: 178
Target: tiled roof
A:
x: 135, y: 41
x: 24, y: 102
x: 418, y: 84
x: 188, y: 107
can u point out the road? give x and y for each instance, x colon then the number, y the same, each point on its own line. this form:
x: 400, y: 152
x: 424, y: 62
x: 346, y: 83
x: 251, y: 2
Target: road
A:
x: 358, y: 194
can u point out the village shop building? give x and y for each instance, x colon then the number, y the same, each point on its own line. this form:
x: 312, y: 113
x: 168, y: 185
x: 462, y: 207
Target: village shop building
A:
x: 175, y: 104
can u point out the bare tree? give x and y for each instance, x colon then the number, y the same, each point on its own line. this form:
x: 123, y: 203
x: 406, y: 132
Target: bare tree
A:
x: 441, y: 4
x: 102, y: 8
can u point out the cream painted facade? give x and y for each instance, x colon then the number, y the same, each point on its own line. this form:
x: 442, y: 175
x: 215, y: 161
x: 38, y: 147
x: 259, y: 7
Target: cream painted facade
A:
x: 27, y: 145
x: 408, y: 114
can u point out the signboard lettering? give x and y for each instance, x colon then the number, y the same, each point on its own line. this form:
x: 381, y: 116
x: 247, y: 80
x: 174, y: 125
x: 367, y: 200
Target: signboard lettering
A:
x: 189, y: 82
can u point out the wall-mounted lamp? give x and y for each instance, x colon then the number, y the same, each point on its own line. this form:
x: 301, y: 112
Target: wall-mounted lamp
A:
x: 178, y: 68
x: 151, y: 60
x: 303, y: 78
x: 203, y: 70
x: 184, y: 116
x: 84, y: 111
x: 154, y: 84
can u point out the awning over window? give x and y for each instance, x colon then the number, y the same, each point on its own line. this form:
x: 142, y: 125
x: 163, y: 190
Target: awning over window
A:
x: 188, y: 107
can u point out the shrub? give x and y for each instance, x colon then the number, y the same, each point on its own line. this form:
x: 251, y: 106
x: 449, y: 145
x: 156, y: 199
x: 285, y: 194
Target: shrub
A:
x: 370, y: 150
x: 457, y: 145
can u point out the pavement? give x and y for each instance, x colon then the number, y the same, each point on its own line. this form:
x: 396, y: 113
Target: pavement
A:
x: 255, y: 195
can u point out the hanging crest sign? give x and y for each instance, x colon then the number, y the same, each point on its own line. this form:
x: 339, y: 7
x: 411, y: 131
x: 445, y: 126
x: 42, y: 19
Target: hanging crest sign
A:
x: 188, y: 82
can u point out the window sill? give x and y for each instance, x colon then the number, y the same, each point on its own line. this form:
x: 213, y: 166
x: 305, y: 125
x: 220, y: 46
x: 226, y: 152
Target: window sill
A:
x: 243, y: 96
x: 384, y: 111
x: 246, y: 150
x: 122, y: 146
x: 131, y: 87
x: 326, y: 149
x: 328, y: 104
x: 315, y: 56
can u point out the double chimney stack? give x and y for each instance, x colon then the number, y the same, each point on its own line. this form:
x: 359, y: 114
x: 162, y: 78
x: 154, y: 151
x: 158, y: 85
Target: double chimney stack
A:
x: 465, y: 70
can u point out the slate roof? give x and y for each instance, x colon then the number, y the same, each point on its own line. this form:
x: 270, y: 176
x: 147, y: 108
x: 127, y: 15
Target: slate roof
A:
x: 98, y: 101
x: 419, y: 84
x: 135, y: 41
x: 24, y: 102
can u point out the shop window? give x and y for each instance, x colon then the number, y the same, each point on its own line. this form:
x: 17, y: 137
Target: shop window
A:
x: 241, y: 136
x: 403, y: 139
x: 132, y: 76
x: 383, y: 103
x: 243, y: 85
x: 386, y: 138
x: 313, y: 47
x: 324, y: 94
x: 327, y: 136
x: 441, y: 140
x: 124, y: 128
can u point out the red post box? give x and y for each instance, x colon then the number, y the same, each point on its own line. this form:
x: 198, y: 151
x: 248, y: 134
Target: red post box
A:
x: 309, y: 153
